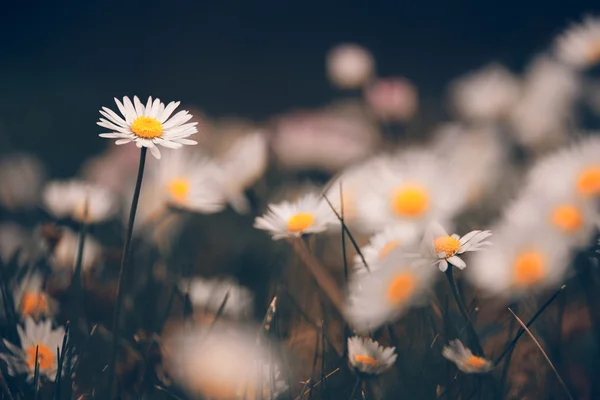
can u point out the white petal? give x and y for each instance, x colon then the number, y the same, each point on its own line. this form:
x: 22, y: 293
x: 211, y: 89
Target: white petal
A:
x: 148, y: 107
x: 457, y: 262
x: 162, y: 117
x: 155, y: 152
x: 139, y: 107
x: 443, y: 265
x: 121, y: 107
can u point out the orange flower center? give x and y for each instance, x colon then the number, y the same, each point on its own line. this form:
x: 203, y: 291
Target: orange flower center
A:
x: 593, y: 53
x: 446, y: 244
x: 567, y: 218
x: 300, y: 222
x: 34, y: 304
x: 45, y: 356
x: 528, y: 269
x: 364, y: 359
x: 147, y: 128
x: 410, y: 201
x: 385, y: 250
x: 401, y: 288
x: 476, y: 362
x: 179, y: 189
x: 588, y: 182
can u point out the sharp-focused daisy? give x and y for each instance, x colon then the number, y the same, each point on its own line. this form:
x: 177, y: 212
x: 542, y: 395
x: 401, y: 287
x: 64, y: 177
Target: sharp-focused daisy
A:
x: 485, y: 95
x: 350, y: 66
x: 79, y: 200
x: 31, y: 300
x: 210, y: 294
x: 464, y: 358
x: 579, y: 46
x: 522, y: 260
x: 309, y: 214
x: 369, y: 357
x: 148, y: 125
x: 64, y: 255
x: 380, y: 245
x: 21, y: 179
x: 441, y: 248
x: 387, y: 293
x: 226, y: 364
x: 35, y: 336
x: 392, y: 99
x: 412, y: 189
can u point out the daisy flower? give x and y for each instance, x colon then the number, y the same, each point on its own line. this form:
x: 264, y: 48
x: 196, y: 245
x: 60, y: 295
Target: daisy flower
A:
x: 522, y: 260
x: 442, y: 248
x: 148, y: 125
x: 485, y: 95
x: 21, y: 360
x: 381, y: 244
x: 350, y: 66
x: 31, y: 300
x: 309, y: 214
x: 579, y: 46
x: 464, y: 358
x: 369, y: 357
x: 73, y: 198
x: 387, y: 293
x: 209, y: 295
x: 21, y: 179
x: 64, y: 254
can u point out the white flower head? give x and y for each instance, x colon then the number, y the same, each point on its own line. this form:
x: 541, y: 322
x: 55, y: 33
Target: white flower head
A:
x: 309, y: 214
x: 441, y: 248
x: 369, y: 357
x: 464, y: 358
x: 381, y: 244
x: 148, y: 125
x: 21, y: 179
x: 385, y: 294
x: 38, y: 336
x: 579, y: 46
x: 31, y: 300
x: 64, y: 256
x: 79, y: 200
x: 350, y: 66
x: 209, y: 294
x: 485, y: 95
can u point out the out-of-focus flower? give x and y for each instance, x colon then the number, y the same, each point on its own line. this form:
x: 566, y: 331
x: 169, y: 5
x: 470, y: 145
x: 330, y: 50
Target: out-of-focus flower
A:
x: 114, y: 169
x: 210, y: 294
x: 392, y: 99
x: 13, y: 238
x: 350, y: 66
x: 464, y: 358
x: 31, y: 300
x: 64, y: 256
x: 541, y: 116
x: 79, y: 200
x: 227, y: 364
x: 412, y: 189
x: 309, y: 214
x: 380, y: 245
x: 388, y: 292
x: 21, y: 178
x: 242, y: 165
x: 485, y: 95
x: 441, y: 248
x: 369, y: 357
x: 327, y: 140
x: 36, y: 337
x: 148, y: 126
x: 521, y: 262
x: 579, y: 46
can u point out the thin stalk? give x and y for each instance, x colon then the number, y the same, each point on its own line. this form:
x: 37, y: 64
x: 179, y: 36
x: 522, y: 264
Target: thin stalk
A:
x: 507, y: 362
x: 36, y: 374
x: 124, y: 264
x: 5, y: 389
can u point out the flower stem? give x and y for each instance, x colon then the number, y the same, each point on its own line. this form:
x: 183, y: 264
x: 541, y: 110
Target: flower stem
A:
x: 124, y: 265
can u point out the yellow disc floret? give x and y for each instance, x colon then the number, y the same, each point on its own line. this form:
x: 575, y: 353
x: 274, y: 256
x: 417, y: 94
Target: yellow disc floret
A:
x: 446, y: 244
x: 410, y: 201
x: 147, y: 128
x: 401, y: 288
x: 528, y: 269
x: 300, y: 222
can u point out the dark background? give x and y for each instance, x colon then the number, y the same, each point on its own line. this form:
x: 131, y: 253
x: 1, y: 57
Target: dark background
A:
x: 60, y: 62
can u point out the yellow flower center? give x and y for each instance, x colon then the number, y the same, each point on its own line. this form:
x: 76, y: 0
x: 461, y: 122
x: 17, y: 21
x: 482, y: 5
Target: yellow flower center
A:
x: 179, y: 189
x: 34, y: 304
x: 45, y: 356
x: 147, y: 128
x: 446, y: 244
x: 79, y: 213
x: 588, y: 182
x: 528, y: 269
x: 410, y: 200
x: 475, y: 362
x: 401, y: 288
x: 364, y: 359
x: 300, y: 222
x: 567, y: 217
x: 385, y: 250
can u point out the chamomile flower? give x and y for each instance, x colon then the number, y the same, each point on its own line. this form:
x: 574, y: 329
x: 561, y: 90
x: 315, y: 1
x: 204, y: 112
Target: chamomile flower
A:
x: 387, y: 293
x: 485, y: 95
x: 464, y: 358
x: 441, y: 248
x: 309, y: 214
x: 210, y: 294
x: 522, y: 261
x: 579, y: 46
x: 64, y: 255
x: 38, y: 337
x: 31, y: 300
x: 79, y: 200
x: 380, y: 245
x: 21, y: 178
x: 148, y: 125
x: 369, y: 357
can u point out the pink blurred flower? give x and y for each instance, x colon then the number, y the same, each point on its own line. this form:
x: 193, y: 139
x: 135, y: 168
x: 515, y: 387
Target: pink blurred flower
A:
x: 392, y: 99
